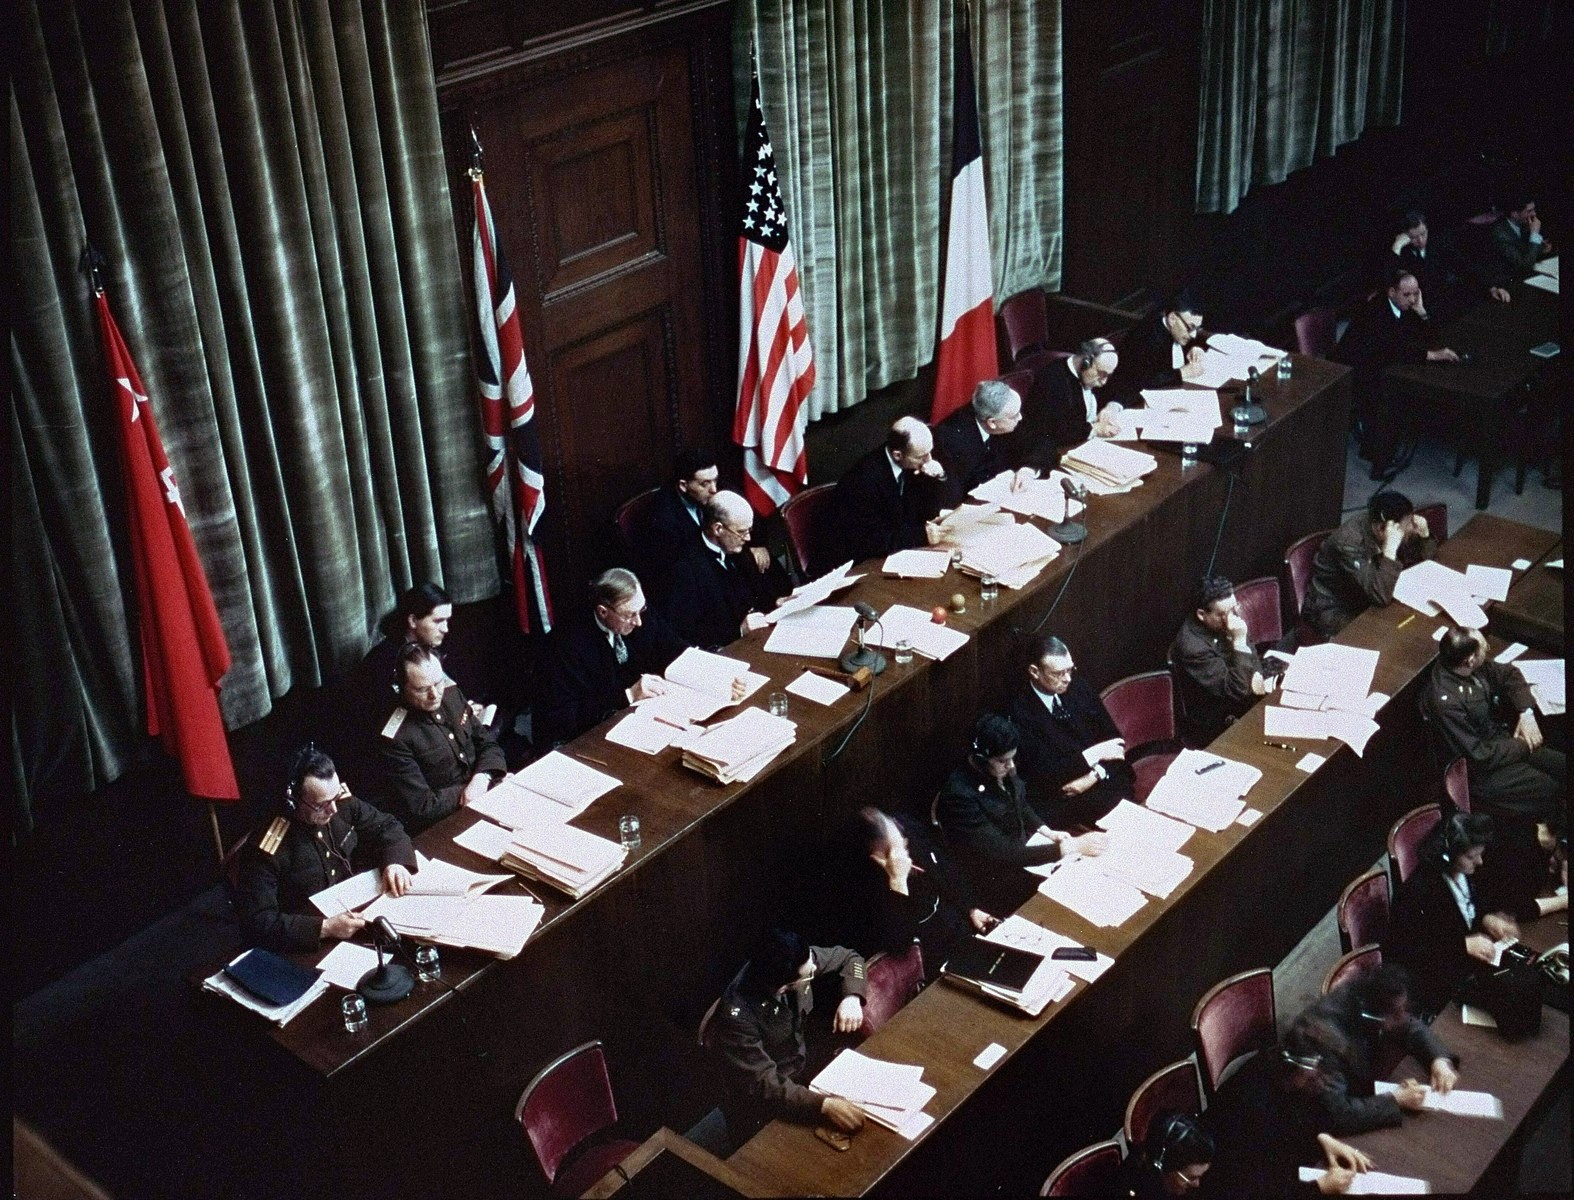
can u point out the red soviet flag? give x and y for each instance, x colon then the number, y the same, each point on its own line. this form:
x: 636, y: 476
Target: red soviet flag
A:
x: 184, y: 654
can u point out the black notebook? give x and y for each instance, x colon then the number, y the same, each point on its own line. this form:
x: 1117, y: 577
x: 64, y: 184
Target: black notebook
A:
x: 270, y: 978
x: 984, y: 961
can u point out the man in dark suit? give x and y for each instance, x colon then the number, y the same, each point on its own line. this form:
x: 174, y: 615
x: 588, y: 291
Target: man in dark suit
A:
x: 1385, y: 333
x: 1062, y: 409
x: 1449, y: 289
x: 977, y: 442
x: 1515, y: 242
x: 606, y: 660
x: 1161, y: 351
x: 1072, y: 759
x: 675, y: 515
x: 716, y: 592
x: 889, y: 499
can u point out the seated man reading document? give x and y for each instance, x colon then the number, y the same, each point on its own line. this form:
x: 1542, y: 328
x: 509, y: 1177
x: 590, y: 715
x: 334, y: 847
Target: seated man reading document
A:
x: 980, y: 440
x: 716, y: 591
x: 1064, y: 407
x: 1358, y: 564
x: 1162, y: 350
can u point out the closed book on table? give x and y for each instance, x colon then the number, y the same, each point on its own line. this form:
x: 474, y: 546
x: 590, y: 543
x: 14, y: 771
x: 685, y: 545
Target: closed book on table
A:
x: 980, y: 961
x: 272, y: 978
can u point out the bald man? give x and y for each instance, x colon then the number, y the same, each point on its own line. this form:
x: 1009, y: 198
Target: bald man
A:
x: 716, y: 591
x: 889, y: 500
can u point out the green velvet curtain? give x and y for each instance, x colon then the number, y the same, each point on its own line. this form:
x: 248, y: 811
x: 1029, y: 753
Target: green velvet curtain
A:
x: 1288, y: 81
x: 857, y: 98
x: 267, y: 183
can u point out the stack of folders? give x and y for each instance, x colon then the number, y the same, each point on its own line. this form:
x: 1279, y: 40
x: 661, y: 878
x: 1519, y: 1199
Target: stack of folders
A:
x: 890, y: 1094
x: 568, y: 858
x: 1021, y: 978
x: 739, y: 749
x: 268, y: 984
x: 1107, y: 468
x: 1014, y: 554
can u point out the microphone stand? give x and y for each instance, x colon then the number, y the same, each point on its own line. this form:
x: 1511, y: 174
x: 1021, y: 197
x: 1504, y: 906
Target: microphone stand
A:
x: 861, y: 655
x: 1248, y: 411
x: 388, y: 982
x: 1068, y: 532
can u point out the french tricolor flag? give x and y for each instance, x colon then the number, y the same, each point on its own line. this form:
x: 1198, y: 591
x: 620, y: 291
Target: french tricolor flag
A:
x: 967, y: 312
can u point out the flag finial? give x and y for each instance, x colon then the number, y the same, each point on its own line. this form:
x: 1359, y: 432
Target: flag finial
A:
x: 476, y: 153
x: 93, y: 264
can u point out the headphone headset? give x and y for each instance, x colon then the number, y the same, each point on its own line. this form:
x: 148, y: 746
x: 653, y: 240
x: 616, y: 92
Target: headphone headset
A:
x: 1174, y: 1131
x: 1306, y: 1062
x: 1455, y: 838
x: 976, y: 749
x: 303, y: 758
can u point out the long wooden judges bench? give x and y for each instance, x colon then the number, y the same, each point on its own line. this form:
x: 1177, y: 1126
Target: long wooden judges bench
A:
x: 637, y: 961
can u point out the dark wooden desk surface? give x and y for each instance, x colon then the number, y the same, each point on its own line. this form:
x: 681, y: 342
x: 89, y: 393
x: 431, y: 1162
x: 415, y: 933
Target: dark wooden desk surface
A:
x: 685, y: 1171
x: 1317, y: 831
x: 1533, y: 612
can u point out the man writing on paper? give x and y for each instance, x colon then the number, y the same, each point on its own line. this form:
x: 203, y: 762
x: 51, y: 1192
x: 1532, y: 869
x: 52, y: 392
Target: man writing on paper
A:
x: 434, y: 755
x: 759, y: 1032
x: 609, y: 658
x: 984, y: 811
x: 310, y: 845
x: 1358, y: 564
x: 1073, y: 759
x: 1063, y: 409
x: 976, y: 443
x: 1163, y: 350
x: 717, y: 592
x: 1471, y: 702
x: 1221, y: 674
x: 888, y: 500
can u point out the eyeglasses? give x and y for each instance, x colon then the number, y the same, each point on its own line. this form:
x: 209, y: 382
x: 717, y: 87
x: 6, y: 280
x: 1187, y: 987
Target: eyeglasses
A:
x: 736, y: 532
x: 1057, y: 672
x: 320, y: 806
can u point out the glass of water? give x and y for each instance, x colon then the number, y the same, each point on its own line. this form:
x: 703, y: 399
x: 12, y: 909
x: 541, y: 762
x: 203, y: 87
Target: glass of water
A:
x: 988, y: 587
x: 904, y: 652
x: 428, y: 966
x: 1188, y: 454
x: 628, y: 831
x: 956, y: 557
x: 778, y: 704
x: 354, y: 1009
x: 1285, y: 368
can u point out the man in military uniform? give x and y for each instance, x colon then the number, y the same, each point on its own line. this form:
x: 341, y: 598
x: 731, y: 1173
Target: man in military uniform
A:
x: 1221, y: 675
x: 758, y: 1031
x: 1513, y: 774
x: 1358, y: 564
x: 312, y: 845
x: 434, y: 755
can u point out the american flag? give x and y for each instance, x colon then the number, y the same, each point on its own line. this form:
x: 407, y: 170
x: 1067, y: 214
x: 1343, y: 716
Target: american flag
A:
x: 775, y: 362
x: 508, y: 412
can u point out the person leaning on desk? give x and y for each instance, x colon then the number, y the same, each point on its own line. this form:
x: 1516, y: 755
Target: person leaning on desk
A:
x: 311, y: 844
x: 1358, y: 564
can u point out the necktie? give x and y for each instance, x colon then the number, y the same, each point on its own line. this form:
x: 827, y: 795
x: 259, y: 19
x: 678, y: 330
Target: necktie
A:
x: 901, y: 484
x: 620, y: 650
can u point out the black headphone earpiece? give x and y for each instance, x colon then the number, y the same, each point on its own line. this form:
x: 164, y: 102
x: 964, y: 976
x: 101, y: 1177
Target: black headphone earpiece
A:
x: 303, y: 756
x: 1171, y: 1136
x: 1454, y: 836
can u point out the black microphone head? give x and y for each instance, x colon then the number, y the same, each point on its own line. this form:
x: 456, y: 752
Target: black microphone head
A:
x: 1252, y: 374
x: 383, y: 930
x: 1074, y: 488
x: 865, y: 610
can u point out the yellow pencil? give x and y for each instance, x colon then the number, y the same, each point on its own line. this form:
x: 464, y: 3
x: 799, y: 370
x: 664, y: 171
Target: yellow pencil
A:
x: 1406, y: 621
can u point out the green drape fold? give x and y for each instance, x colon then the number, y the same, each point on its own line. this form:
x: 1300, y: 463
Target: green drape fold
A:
x: 267, y: 183
x: 857, y: 99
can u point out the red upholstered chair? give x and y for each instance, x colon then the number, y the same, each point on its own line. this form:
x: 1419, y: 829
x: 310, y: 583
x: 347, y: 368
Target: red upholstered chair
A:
x: 1020, y: 382
x: 632, y: 518
x: 1456, y: 784
x: 1357, y: 962
x: 1490, y: 217
x: 1436, y: 520
x: 1405, y: 838
x: 562, y: 1110
x: 1143, y: 709
x: 1092, y: 1171
x: 1174, y: 1088
x: 1025, y: 319
x: 1314, y: 332
x: 1235, y: 1017
x: 1262, y: 609
x: 804, y: 516
x: 1363, y: 909
x: 891, y: 981
x: 1296, y: 577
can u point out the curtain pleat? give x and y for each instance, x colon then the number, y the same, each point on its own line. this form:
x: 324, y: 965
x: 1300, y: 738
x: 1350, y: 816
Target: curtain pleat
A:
x: 267, y: 183
x: 1285, y: 82
x: 857, y: 99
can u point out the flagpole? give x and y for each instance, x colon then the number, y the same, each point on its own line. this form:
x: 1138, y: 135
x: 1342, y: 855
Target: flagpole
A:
x: 218, y: 838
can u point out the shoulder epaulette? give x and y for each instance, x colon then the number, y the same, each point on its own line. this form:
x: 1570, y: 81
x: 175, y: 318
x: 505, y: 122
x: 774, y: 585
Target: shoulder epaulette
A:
x: 395, y: 720
x: 268, y: 843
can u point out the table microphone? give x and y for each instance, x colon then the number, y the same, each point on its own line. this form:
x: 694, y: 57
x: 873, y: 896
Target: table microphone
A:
x: 388, y: 981
x: 862, y: 655
x: 1248, y: 411
x: 1068, y: 532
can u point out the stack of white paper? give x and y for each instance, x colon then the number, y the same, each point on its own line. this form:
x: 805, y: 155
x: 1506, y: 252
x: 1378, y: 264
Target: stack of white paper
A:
x: 813, y: 592
x: 1429, y: 586
x: 498, y: 925
x: 1373, y: 1183
x: 902, y: 622
x: 916, y: 564
x: 1037, y: 498
x: 700, y: 684
x: 1174, y: 415
x: 1014, y: 554
x: 1205, y: 795
x: 739, y: 749
x: 1100, y: 899
x: 434, y: 877
x: 1016, y: 930
x: 279, y: 1014
x: 1106, y: 467
x: 820, y: 631
x: 1545, y: 677
x: 647, y: 730
x: 1488, y: 583
x: 1132, y: 822
x: 1341, y: 676
x: 553, y: 788
x: 890, y: 1094
x: 1354, y: 729
x: 572, y: 860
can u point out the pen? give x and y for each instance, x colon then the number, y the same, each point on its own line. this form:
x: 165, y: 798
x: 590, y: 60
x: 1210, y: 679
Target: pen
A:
x: 587, y: 758
x: 1281, y: 746
x: 1406, y: 621
x: 1205, y: 768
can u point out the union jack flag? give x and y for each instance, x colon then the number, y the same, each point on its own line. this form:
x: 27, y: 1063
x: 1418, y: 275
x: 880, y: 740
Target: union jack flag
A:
x: 508, y: 411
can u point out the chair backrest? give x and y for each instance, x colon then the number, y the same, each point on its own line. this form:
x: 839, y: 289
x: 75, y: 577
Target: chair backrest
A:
x: 1020, y: 382
x: 1261, y: 609
x: 1363, y: 909
x: 1436, y: 520
x: 1297, y: 572
x: 632, y: 518
x: 1092, y: 1171
x: 1233, y: 1018
x: 567, y: 1102
x: 1490, y: 217
x: 1025, y: 318
x: 1357, y: 962
x: 1456, y: 784
x: 804, y: 516
x: 1142, y: 707
x: 1405, y: 838
x: 1174, y: 1088
x: 890, y: 981
x: 1314, y: 332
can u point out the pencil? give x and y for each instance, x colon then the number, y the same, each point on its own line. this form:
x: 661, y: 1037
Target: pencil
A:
x: 1406, y: 621
x: 588, y: 758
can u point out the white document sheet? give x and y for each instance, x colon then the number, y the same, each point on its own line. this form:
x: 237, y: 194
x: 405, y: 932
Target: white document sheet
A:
x: 1510, y: 652
x: 1341, y: 673
x: 1108, y: 464
x: 346, y: 965
x: 1546, y: 679
x: 486, y: 839
x: 1249, y: 817
x: 1310, y: 761
x: 434, y: 877
x: 1197, y: 402
x: 902, y: 621
x: 1374, y: 1183
x: 499, y: 925
x: 642, y: 730
x: 817, y: 688
x: 1488, y: 583
x: 418, y: 915
x: 1548, y: 266
x: 714, y: 674
x: 1038, y: 498
x: 1132, y: 822
x: 1150, y: 869
x: 813, y: 592
x: 1545, y: 282
x: 1211, y: 798
x: 916, y: 564
x: 1354, y: 729
x: 818, y: 632
x: 1009, y: 552
x: 1097, y: 898
x: 565, y: 781
x: 1244, y: 347
x: 1460, y: 1102
x: 891, y: 1094
x: 1016, y: 930
x: 349, y: 894
x: 1429, y: 586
